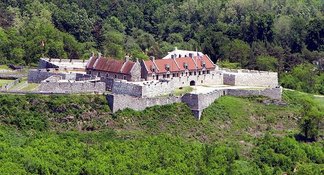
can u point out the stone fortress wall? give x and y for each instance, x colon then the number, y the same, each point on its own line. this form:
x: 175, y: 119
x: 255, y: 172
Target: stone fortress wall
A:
x: 54, y: 84
x: 157, y: 88
x: 120, y: 102
x: 219, y: 77
x: 39, y: 75
x: 196, y: 102
x: 243, y: 77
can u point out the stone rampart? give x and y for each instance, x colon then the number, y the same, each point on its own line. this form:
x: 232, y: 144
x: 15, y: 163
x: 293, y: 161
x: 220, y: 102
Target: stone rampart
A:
x: 273, y: 93
x: 127, y: 88
x: 199, y: 102
x: 250, y: 78
x: 120, y: 102
x: 6, y: 87
x: 72, y: 87
x: 163, y: 87
x: 38, y: 75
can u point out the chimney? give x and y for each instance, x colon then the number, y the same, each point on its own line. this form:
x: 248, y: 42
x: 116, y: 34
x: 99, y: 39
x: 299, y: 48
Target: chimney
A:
x: 93, y: 54
x: 152, y: 58
x: 175, y: 48
x: 99, y: 55
x: 126, y: 58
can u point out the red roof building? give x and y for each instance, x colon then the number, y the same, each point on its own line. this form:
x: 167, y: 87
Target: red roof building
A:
x: 155, y: 69
x: 115, y: 69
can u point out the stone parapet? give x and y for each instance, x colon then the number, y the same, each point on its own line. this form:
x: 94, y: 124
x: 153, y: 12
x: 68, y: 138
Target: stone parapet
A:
x: 120, y: 102
x: 72, y: 87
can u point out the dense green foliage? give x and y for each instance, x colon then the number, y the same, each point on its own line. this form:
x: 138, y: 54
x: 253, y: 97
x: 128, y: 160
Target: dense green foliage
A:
x: 77, y: 135
x: 239, y: 31
x: 274, y: 35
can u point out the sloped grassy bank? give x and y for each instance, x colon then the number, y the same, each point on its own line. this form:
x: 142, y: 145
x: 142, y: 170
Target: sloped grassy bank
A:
x: 77, y: 134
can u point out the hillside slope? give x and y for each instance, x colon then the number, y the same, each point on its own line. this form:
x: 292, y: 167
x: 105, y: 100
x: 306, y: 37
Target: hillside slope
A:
x: 78, y: 135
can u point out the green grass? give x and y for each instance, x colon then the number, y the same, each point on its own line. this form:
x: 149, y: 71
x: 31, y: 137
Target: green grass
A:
x: 320, y: 101
x: 4, y: 67
x: 5, y: 81
x: 181, y: 91
x: 48, y: 131
x: 30, y: 87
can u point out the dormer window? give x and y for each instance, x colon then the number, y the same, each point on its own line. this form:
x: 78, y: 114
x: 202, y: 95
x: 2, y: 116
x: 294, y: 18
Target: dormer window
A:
x: 203, y: 64
x: 167, y: 67
x: 185, y: 65
x: 153, y: 68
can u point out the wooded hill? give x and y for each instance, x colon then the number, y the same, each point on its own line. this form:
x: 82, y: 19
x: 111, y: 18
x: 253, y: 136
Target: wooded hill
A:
x: 77, y: 134
x: 274, y: 35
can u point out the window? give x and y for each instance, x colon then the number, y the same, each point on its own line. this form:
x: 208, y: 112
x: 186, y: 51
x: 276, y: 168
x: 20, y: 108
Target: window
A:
x: 182, y: 74
x: 124, y: 77
x: 199, y: 73
x: 190, y: 73
x: 168, y: 75
x: 115, y: 76
x: 107, y: 75
x: 208, y: 71
x: 186, y: 73
x: 195, y: 73
x: 204, y: 72
x: 98, y: 74
x: 173, y: 75
x: 163, y: 75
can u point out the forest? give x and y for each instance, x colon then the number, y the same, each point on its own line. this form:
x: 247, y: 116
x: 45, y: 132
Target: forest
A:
x: 286, y: 36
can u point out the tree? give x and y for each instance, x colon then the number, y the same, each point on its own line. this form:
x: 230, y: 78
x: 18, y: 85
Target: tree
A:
x: 315, y: 35
x: 237, y: 51
x: 267, y: 63
x: 310, y: 122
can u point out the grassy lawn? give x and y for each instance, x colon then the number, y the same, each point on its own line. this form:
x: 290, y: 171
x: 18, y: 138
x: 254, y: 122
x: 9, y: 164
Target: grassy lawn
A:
x: 181, y: 91
x: 30, y: 87
x: 4, y: 67
x: 5, y: 81
x: 320, y: 101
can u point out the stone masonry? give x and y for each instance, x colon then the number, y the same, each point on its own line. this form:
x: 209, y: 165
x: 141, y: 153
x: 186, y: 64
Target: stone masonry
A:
x: 196, y: 102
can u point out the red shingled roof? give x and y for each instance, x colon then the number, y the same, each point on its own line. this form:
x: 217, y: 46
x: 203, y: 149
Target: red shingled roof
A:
x: 177, y: 64
x: 161, y: 65
x: 110, y: 65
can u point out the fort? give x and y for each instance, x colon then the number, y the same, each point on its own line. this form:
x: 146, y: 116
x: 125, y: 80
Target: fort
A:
x: 138, y: 84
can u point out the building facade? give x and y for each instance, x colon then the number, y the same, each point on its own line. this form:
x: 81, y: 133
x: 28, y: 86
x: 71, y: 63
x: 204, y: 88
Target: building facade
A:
x: 114, y: 69
x: 177, y: 66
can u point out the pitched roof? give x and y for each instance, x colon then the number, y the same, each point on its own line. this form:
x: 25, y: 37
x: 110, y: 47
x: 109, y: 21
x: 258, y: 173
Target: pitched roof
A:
x: 182, y: 53
x: 178, y: 64
x: 161, y: 65
x: 110, y: 65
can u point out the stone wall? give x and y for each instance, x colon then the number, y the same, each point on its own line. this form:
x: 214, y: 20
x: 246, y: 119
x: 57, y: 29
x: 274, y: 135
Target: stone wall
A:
x: 120, y: 102
x: 43, y: 64
x: 157, y: 88
x: 38, y: 75
x: 72, y: 87
x: 250, y: 78
x: 199, y: 102
x: 6, y: 87
x: 136, y: 72
x: 273, y: 93
x: 127, y: 88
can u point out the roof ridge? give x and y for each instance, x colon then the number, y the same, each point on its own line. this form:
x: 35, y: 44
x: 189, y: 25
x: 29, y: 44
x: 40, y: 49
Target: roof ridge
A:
x: 123, y: 66
x: 194, y: 62
x: 153, y: 61
x: 95, y: 64
x: 176, y: 63
x: 88, y: 63
x: 210, y: 59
